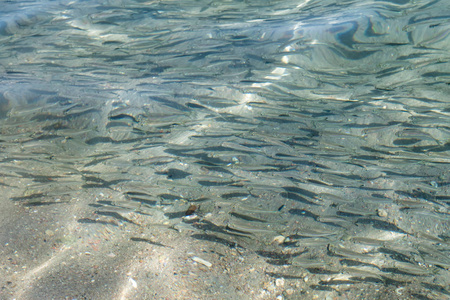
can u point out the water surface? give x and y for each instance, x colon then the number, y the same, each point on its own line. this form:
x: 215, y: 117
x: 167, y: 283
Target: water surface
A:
x: 310, y: 139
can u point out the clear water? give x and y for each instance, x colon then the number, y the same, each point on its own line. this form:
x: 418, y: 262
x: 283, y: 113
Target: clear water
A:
x: 314, y: 135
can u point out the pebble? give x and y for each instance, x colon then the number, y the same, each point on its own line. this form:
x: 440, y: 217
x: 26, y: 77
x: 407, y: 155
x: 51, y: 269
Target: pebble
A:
x: 290, y: 292
x: 279, y: 282
x: 133, y: 282
x: 278, y: 240
x: 382, y: 213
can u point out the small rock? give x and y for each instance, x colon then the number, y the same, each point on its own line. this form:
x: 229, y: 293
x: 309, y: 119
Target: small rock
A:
x: 278, y: 240
x: 279, y: 282
x: 133, y: 282
x: 382, y: 213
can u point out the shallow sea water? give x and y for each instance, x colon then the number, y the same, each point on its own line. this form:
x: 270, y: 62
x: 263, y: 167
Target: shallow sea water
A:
x: 224, y: 149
